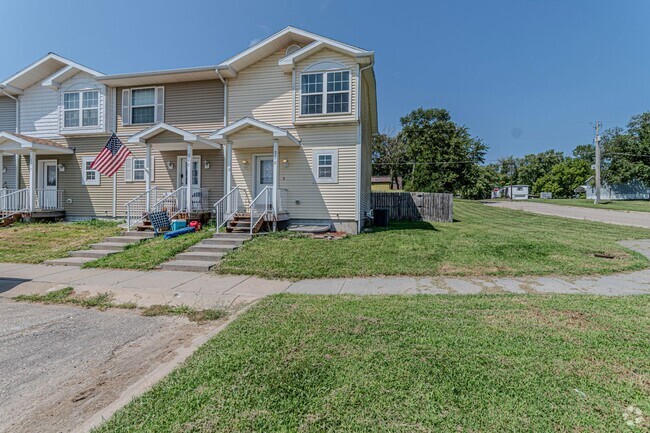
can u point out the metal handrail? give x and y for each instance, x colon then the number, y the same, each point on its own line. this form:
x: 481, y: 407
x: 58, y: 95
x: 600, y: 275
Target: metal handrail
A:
x: 227, y: 207
x: 265, y: 194
x: 170, y: 203
x: 139, y: 206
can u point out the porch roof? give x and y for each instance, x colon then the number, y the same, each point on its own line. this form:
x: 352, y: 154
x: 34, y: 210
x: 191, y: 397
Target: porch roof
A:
x: 262, y: 131
x: 167, y: 137
x: 19, y: 144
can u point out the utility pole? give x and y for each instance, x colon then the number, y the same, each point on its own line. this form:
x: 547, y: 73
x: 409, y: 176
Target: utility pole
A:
x: 597, y: 126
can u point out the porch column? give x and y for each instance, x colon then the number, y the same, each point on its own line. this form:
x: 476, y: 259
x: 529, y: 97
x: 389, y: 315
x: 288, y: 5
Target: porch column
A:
x: 228, y: 173
x: 188, y: 179
x: 32, y: 180
x: 275, y: 182
x: 2, y: 167
x: 147, y: 167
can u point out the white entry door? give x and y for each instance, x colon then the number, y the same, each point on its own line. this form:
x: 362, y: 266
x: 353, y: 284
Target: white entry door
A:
x: 48, y: 185
x: 195, y: 179
x: 263, y: 174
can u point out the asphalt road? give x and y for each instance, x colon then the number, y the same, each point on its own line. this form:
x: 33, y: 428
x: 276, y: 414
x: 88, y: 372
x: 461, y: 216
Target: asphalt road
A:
x: 635, y: 219
x: 60, y: 365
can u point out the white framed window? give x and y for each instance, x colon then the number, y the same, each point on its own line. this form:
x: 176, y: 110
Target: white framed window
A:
x: 81, y: 109
x: 89, y: 176
x: 325, y: 92
x: 135, y: 171
x: 143, y: 105
x: 325, y: 165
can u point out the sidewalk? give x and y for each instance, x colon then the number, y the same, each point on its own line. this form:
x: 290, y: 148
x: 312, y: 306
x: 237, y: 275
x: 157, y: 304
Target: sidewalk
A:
x: 209, y: 290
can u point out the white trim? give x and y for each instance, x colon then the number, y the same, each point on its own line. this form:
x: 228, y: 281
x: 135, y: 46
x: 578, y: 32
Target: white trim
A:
x: 80, y: 109
x: 324, y: 93
x: 84, y: 171
x: 289, y: 61
x: 179, y: 163
x: 150, y: 132
x: 335, y: 165
x: 244, y: 122
x: 50, y: 56
x: 143, y: 169
x: 154, y: 105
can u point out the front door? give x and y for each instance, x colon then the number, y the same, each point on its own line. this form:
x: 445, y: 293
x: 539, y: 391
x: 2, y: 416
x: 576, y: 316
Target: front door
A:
x: 48, y: 185
x: 263, y: 174
x: 195, y: 179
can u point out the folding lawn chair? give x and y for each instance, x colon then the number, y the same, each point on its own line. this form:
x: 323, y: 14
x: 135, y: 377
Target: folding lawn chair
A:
x: 159, y: 221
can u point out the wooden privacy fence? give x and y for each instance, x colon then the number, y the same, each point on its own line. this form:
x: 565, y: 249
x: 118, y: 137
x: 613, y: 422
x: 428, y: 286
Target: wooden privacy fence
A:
x: 415, y: 206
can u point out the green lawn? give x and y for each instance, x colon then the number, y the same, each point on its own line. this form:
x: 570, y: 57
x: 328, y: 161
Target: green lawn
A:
x: 496, y: 363
x: 626, y: 205
x: 37, y: 242
x: 484, y: 241
x: 148, y: 254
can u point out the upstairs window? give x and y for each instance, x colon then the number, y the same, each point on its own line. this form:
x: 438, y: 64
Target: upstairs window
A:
x: 81, y: 109
x: 325, y: 92
x: 143, y: 105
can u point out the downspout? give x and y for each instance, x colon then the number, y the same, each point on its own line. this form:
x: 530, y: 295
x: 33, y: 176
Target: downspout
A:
x: 359, y: 144
x: 16, y: 157
x: 226, y: 190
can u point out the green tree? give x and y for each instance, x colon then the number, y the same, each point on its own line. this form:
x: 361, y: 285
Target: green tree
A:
x: 586, y: 152
x: 535, y: 165
x: 389, y: 157
x: 445, y: 156
x: 564, y: 178
x: 626, y: 152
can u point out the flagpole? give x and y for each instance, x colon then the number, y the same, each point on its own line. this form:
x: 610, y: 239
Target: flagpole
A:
x: 115, y: 195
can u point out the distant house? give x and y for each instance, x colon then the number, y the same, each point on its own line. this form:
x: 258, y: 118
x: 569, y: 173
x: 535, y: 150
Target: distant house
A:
x: 634, y: 190
x: 385, y: 183
x: 517, y: 192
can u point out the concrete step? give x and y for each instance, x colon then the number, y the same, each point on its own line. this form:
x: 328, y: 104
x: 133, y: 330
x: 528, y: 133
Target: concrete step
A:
x: 188, y: 265
x: 69, y: 261
x: 206, y: 256
x: 223, y: 241
x: 141, y: 235
x: 93, y: 254
x: 211, y: 248
x: 123, y: 239
x: 238, y: 236
x: 113, y: 246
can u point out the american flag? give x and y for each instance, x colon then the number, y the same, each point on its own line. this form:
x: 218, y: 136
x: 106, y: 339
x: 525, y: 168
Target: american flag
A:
x: 111, y: 158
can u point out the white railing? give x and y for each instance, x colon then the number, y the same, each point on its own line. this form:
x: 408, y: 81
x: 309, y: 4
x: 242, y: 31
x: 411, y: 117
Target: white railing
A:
x: 228, y: 206
x: 261, y: 206
x: 13, y: 201
x: 136, y: 209
x: 199, y: 198
x: 172, y: 203
x: 49, y: 199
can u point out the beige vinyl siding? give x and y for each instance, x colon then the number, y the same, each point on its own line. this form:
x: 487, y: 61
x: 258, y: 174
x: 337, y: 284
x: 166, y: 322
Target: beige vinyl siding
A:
x: 7, y: 114
x: 261, y: 91
x: 97, y: 200
x: 9, y: 177
x: 192, y: 106
x: 320, y: 201
x: 321, y: 56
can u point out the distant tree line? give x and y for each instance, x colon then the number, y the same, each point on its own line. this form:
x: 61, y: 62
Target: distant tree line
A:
x: 433, y: 154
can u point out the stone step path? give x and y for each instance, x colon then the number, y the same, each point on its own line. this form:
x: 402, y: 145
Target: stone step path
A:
x: 207, y: 253
x: 110, y: 245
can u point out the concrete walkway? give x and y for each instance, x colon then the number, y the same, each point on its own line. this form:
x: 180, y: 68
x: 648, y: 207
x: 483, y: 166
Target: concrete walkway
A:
x: 209, y: 290
x: 624, y: 218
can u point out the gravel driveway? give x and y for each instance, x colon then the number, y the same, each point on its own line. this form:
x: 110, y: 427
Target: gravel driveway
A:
x: 60, y: 365
x: 635, y: 219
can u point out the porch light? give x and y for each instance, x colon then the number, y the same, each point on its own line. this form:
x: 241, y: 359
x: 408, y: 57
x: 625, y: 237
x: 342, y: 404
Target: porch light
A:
x: 206, y: 164
x: 61, y: 167
x: 285, y: 162
x: 4, y: 169
x: 170, y: 165
x: 244, y: 163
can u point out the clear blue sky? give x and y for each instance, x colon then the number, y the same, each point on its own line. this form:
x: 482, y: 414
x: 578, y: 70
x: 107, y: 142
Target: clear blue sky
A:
x: 523, y: 75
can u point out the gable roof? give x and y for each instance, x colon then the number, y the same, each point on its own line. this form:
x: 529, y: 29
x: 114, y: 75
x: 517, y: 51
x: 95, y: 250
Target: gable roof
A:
x: 144, y: 135
x: 281, y: 39
x: 246, y: 122
x: 18, y: 143
x: 50, y: 66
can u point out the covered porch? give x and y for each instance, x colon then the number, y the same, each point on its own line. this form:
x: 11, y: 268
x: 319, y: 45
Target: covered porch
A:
x: 186, y: 196
x: 253, y: 192
x: 42, y: 197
